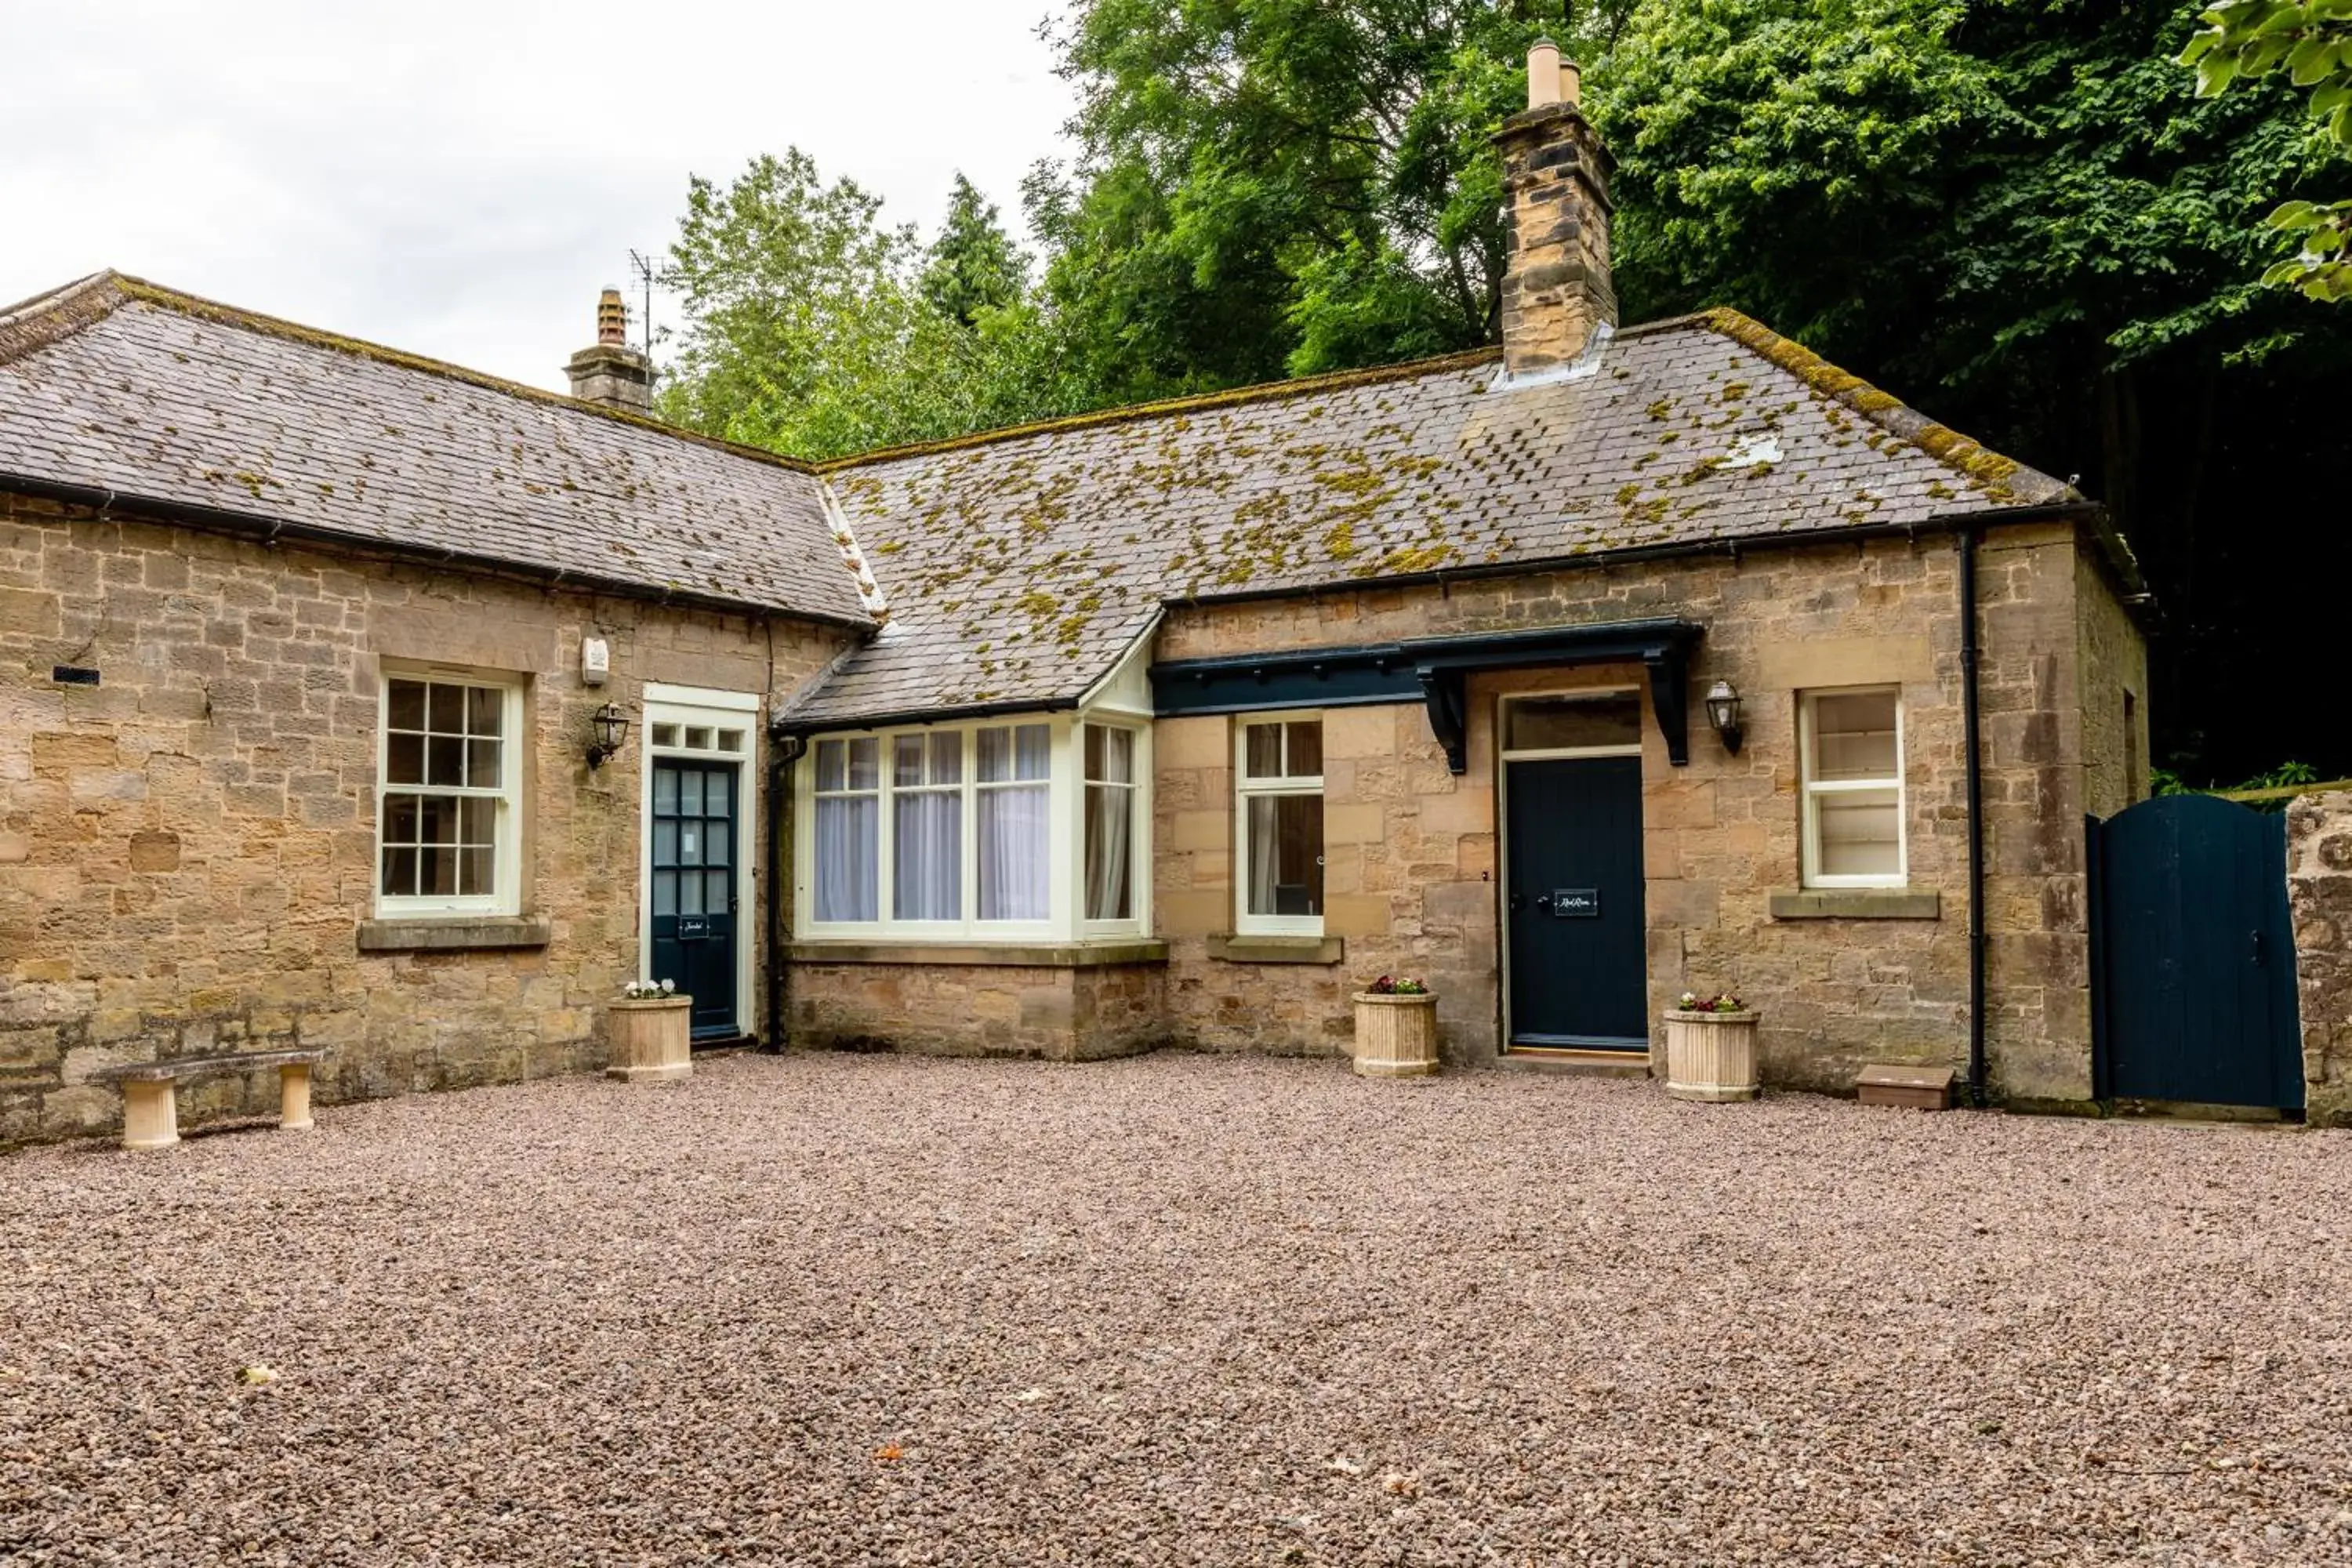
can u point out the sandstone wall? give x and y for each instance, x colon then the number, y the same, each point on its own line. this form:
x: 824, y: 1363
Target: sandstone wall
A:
x: 2319, y: 888
x: 1410, y: 868
x: 188, y: 848
x: 944, y: 1005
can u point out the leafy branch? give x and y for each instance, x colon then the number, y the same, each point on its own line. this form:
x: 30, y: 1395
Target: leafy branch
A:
x: 2310, y: 40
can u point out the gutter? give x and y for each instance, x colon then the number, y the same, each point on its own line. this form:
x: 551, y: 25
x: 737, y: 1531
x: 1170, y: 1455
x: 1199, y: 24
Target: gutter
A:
x: 1972, y: 726
x: 271, y: 531
x: 788, y: 725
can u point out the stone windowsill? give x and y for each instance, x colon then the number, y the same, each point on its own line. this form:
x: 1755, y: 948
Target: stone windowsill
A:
x: 1040, y: 956
x: 1859, y: 904
x: 452, y: 933
x: 1241, y: 949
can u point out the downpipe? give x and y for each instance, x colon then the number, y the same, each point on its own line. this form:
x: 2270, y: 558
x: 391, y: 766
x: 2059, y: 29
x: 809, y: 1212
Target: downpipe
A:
x: 784, y: 751
x: 1971, y: 723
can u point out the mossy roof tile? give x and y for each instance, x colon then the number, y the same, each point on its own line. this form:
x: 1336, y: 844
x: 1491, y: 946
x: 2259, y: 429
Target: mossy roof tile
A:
x: 1020, y: 566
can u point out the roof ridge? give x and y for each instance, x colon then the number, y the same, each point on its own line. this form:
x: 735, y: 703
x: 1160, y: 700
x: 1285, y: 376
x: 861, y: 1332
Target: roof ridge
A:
x: 234, y: 316
x: 1255, y: 392
x: 1962, y: 454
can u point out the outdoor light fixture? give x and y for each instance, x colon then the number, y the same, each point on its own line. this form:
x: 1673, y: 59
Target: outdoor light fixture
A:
x: 611, y: 728
x: 1723, y: 712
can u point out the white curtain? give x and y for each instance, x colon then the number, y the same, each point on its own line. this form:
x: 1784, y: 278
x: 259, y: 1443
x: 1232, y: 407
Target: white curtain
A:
x: 1264, y: 851
x: 1013, y: 854
x: 927, y: 854
x: 846, y: 857
x: 1108, y: 833
x: 1110, y: 770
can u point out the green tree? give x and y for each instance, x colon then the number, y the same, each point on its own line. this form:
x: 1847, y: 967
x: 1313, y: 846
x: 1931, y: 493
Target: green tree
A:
x: 809, y: 331
x: 973, y: 266
x: 2311, y: 41
x: 1270, y: 187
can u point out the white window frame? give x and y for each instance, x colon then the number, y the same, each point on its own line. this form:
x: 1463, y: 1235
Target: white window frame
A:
x: 1138, y: 826
x: 1244, y: 791
x: 1066, y: 823
x: 730, y: 714
x: 508, y: 826
x: 1813, y: 789
x: 967, y: 828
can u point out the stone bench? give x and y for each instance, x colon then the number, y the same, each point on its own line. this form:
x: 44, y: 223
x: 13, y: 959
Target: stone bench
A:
x: 151, y: 1115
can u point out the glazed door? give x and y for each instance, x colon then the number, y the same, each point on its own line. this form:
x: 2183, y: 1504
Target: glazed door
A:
x: 1573, y: 903
x: 693, y: 868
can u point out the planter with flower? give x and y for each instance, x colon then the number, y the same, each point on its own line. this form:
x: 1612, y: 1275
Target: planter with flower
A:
x: 648, y: 1030
x: 1711, y: 1048
x: 1396, y: 1029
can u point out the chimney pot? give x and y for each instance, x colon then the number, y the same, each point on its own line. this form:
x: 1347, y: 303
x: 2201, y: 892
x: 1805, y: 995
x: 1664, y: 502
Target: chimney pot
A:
x: 1571, y: 83
x: 611, y: 374
x: 1543, y: 73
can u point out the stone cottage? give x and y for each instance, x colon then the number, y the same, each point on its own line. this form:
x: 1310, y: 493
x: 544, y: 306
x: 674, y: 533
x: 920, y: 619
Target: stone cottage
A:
x: 1621, y: 661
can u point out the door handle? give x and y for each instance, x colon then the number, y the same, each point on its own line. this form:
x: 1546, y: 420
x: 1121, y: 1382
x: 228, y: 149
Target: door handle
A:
x: 1519, y: 902
x: 1543, y: 903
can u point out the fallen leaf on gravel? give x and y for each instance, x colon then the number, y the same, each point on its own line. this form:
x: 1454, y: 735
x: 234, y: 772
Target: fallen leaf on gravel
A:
x: 1396, y: 1483
x: 889, y: 1453
x: 256, y: 1375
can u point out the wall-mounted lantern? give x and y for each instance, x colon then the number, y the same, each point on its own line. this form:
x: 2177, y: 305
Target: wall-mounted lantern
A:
x: 1723, y: 712
x: 611, y: 729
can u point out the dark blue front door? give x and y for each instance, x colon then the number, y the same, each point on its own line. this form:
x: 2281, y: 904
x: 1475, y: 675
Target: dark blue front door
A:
x: 693, y: 868
x: 2192, y: 956
x: 1573, y: 903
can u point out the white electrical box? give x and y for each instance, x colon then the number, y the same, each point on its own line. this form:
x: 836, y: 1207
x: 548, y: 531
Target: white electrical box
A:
x: 595, y: 661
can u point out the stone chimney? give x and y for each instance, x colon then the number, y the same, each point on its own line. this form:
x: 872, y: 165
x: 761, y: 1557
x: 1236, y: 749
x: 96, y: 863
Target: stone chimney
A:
x: 1556, y: 289
x: 613, y: 373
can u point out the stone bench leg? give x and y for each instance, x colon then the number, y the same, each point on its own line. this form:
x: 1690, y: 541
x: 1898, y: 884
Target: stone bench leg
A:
x: 151, y: 1116
x: 294, y: 1097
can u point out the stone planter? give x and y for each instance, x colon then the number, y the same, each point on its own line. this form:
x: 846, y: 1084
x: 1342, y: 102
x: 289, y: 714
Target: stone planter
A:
x: 1396, y: 1036
x: 1710, y: 1056
x: 649, y: 1039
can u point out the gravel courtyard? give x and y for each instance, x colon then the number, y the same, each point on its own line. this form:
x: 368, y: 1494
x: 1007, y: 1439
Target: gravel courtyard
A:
x: 1176, y: 1310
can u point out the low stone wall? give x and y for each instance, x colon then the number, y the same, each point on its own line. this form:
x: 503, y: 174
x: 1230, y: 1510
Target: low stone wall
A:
x: 2319, y: 890
x: 1073, y: 1006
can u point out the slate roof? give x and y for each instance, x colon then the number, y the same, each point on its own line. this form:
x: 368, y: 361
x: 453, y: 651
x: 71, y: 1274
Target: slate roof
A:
x: 1014, y: 568
x: 116, y: 385
x: 1018, y: 566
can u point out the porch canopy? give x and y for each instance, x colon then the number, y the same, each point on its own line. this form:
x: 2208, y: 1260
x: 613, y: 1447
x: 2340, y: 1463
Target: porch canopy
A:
x: 1432, y: 671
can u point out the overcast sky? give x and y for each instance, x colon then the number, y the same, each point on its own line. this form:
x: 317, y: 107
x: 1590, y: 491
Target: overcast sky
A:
x: 459, y: 177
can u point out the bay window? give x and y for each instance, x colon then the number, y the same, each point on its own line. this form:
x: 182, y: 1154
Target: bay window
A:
x: 1009, y: 830
x: 1279, y: 781
x: 447, y: 796
x: 1852, y: 753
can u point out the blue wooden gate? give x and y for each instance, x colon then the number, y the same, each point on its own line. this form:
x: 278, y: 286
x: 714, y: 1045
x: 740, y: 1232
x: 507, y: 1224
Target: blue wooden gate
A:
x: 2192, y: 957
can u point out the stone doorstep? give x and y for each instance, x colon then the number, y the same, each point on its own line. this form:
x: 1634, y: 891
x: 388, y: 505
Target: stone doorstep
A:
x: 1905, y: 1085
